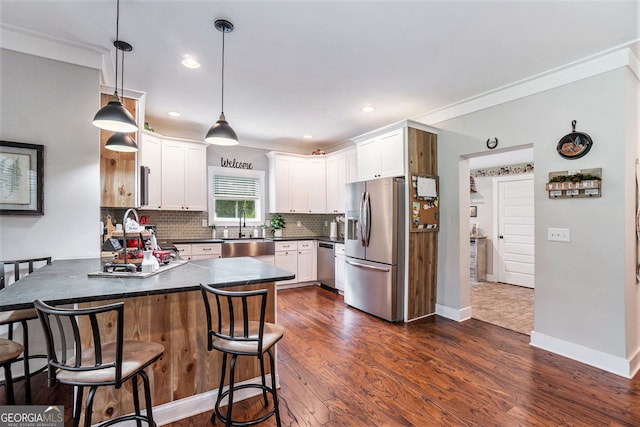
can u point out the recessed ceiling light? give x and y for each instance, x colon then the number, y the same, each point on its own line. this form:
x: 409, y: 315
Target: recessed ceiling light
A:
x: 174, y: 113
x: 190, y: 62
x: 368, y: 109
x: 307, y: 136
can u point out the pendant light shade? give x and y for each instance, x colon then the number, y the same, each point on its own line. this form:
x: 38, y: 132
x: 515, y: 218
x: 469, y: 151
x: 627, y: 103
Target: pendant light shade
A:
x: 113, y: 116
x: 221, y: 133
x: 121, y: 142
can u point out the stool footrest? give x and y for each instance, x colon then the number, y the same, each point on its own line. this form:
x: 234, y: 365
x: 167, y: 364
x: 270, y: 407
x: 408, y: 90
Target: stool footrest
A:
x: 223, y: 419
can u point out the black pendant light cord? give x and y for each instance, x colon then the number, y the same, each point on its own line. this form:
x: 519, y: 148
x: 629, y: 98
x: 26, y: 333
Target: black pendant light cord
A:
x: 117, y: 39
x: 222, y: 106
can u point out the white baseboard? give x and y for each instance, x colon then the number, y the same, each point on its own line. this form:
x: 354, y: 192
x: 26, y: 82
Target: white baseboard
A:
x: 170, y: 412
x: 607, y: 362
x: 458, y: 315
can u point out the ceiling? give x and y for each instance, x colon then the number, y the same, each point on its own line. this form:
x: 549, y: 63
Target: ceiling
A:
x: 295, y: 68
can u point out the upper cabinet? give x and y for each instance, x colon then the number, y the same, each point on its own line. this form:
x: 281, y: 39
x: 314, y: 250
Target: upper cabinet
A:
x: 177, y: 171
x: 381, y: 156
x: 341, y: 169
x: 296, y: 183
x: 117, y: 170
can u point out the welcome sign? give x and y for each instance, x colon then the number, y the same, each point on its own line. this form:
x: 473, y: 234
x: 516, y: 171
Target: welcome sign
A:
x: 228, y: 163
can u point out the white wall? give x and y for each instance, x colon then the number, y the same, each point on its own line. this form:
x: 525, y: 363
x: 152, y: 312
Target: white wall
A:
x: 52, y: 103
x: 585, y: 297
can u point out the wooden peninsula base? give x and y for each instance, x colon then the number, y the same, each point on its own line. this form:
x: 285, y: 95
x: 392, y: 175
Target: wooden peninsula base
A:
x: 177, y: 321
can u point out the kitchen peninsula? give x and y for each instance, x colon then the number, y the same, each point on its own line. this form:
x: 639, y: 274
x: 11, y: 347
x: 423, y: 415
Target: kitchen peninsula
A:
x: 166, y: 308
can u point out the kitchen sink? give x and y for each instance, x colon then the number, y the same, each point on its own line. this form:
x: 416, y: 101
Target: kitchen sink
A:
x: 247, y: 247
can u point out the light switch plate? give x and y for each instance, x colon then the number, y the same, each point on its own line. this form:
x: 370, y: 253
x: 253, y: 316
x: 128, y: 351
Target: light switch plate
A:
x: 559, y: 234
x: 204, y: 223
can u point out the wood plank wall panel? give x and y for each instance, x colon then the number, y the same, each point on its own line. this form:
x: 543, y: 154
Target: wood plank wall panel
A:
x: 117, y: 170
x: 178, y: 322
x: 423, y: 246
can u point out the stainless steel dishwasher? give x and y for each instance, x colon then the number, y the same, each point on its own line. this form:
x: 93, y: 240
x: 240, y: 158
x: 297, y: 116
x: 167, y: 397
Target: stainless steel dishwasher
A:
x: 326, y: 265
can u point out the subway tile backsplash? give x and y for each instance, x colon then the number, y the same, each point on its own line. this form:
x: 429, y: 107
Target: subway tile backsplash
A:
x: 177, y: 225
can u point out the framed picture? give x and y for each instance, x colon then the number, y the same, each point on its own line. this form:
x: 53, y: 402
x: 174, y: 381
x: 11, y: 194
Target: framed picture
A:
x: 473, y: 212
x: 21, y: 178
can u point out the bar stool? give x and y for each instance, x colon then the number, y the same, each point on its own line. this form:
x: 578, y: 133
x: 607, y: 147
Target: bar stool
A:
x: 14, y: 317
x: 237, y: 334
x: 9, y: 353
x: 102, y: 364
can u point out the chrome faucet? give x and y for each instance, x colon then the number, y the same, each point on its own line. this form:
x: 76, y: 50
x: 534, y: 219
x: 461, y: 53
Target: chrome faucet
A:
x: 124, y: 231
x: 242, y: 212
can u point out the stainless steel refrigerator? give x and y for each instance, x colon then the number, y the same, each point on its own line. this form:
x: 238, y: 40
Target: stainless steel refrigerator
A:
x: 374, y: 247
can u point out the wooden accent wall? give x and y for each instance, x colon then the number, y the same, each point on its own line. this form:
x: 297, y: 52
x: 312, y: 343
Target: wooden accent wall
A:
x: 117, y: 170
x: 178, y: 322
x: 423, y: 246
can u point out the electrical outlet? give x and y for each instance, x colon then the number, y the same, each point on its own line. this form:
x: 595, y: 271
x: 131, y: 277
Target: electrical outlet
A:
x: 326, y: 223
x: 299, y: 224
x: 204, y: 223
x: 559, y: 234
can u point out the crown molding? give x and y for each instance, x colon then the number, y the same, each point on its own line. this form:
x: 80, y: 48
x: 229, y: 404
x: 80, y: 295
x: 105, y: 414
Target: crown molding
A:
x: 612, y: 59
x: 42, y: 45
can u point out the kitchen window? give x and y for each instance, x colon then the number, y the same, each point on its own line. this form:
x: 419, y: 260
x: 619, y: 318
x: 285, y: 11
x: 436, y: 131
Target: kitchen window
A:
x: 231, y: 191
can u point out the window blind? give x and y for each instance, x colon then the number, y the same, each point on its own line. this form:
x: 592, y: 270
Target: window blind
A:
x: 233, y: 187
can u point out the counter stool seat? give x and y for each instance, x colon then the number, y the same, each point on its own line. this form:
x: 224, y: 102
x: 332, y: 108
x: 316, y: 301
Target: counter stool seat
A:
x: 96, y: 363
x: 236, y: 334
x: 13, y: 317
x: 9, y: 352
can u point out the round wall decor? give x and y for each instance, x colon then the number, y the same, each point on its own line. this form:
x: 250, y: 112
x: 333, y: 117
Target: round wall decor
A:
x: 575, y: 144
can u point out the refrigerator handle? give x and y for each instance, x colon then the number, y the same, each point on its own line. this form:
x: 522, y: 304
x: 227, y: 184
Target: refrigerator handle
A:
x: 362, y: 223
x: 370, y: 267
x: 367, y: 212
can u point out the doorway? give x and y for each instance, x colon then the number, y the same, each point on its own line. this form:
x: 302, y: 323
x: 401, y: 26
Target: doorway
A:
x: 502, y: 211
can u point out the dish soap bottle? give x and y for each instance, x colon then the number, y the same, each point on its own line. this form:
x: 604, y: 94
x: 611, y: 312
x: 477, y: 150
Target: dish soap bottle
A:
x: 225, y: 232
x: 255, y: 231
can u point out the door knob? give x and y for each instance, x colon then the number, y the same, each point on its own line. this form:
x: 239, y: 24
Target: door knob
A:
x: 501, y: 236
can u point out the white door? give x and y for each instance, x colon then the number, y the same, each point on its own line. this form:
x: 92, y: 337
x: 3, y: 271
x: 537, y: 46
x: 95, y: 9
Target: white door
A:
x: 516, y: 241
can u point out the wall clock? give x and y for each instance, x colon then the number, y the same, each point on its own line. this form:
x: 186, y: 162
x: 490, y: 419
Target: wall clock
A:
x: 575, y: 144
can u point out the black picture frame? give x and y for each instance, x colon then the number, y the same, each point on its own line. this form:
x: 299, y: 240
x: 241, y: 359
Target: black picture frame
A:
x: 21, y: 178
x: 473, y: 211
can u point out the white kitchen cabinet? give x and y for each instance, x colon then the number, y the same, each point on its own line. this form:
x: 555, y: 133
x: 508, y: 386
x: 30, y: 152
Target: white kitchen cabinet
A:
x: 340, y: 275
x: 315, y: 185
x: 381, y: 156
x: 199, y: 250
x: 177, y: 173
x: 352, y: 165
x: 297, y: 184
x: 307, y: 260
x: 286, y: 258
x: 336, y: 179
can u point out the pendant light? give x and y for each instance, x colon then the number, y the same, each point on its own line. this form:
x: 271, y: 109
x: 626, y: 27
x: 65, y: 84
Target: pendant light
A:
x: 221, y: 133
x: 113, y: 116
x: 121, y: 141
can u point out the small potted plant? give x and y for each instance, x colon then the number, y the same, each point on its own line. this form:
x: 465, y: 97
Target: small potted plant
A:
x: 277, y: 224
x: 213, y: 230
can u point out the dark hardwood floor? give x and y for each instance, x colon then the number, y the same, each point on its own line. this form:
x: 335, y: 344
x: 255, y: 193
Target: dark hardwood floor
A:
x: 340, y: 367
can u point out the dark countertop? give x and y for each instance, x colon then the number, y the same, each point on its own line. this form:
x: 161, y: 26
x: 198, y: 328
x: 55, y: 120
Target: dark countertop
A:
x: 66, y: 281
x: 273, y: 239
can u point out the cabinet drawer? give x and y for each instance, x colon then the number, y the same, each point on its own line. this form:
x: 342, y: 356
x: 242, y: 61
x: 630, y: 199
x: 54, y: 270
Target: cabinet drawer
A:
x: 286, y: 246
x: 339, y: 249
x: 206, y: 249
x: 306, y: 244
x: 183, y: 250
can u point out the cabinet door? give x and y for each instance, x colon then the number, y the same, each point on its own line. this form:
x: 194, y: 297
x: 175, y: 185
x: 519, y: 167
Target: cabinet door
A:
x: 298, y: 185
x: 280, y: 200
x: 288, y: 261
x: 173, y: 175
x: 352, y: 166
x: 195, y: 191
x: 336, y: 178
x: 339, y: 270
x: 305, y: 266
x: 315, y: 183
x: 391, y: 151
x: 151, y: 156
x: 368, y: 159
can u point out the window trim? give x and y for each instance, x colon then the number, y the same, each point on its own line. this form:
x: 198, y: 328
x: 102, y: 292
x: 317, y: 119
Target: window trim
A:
x: 244, y: 173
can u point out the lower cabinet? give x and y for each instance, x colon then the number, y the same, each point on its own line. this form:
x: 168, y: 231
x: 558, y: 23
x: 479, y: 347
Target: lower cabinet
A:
x: 298, y: 257
x: 340, y: 267
x: 199, y: 250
